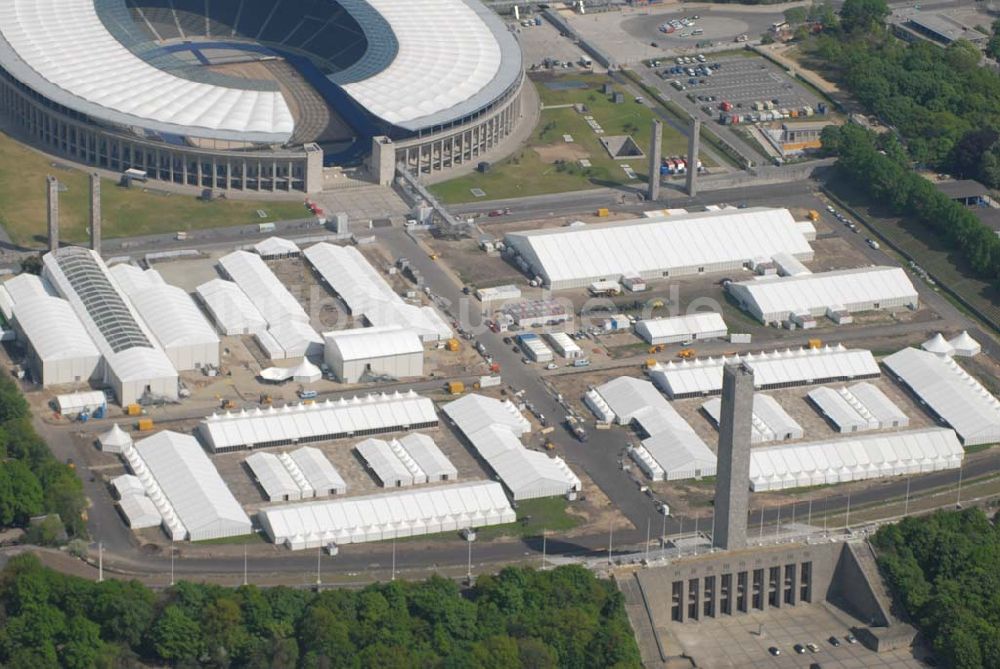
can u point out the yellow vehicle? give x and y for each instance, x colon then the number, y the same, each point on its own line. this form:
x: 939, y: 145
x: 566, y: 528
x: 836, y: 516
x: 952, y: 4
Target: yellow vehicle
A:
x: 815, y: 343
x: 145, y: 424
x: 456, y: 387
x: 657, y: 348
x: 602, y: 212
x: 686, y: 353
x: 452, y: 345
x: 433, y: 256
x: 656, y: 304
x: 266, y: 399
x: 228, y: 404
x: 133, y: 410
x: 651, y: 362
x: 813, y: 215
x: 549, y: 446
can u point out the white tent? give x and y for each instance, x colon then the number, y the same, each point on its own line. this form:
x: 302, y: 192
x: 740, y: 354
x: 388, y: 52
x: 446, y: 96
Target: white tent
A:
x: 114, y: 440
x: 950, y: 392
x: 704, y: 325
x: 938, y: 345
x: 964, y: 345
x: 276, y: 481
x: 127, y: 484
x: 263, y: 288
x: 306, y: 372
x: 398, y: 514
x: 769, y: 421
x: 427, y: 456
x: 72, y: 404
x: 276, y: 247
x: 231, y: 309
x: 327, y: 420
x: 388, y: 468
x: 859, y: 458
x: 140, y: 512
x: 494, y: 429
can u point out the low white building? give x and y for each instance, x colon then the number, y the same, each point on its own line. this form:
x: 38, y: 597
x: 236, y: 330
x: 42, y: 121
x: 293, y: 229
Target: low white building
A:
x: 274, y: 479
x: 534, y: 348
x: 313, y: 472
x: 499, y: 293
x: 564, y: 345
x: 74, y: 404
x: 139, y: 512
x: 377, y: 351
x: 676, y: 329
x: 849, y: 291
x: 230, y: 308
x: 387, y: 467
x: 274, y: 248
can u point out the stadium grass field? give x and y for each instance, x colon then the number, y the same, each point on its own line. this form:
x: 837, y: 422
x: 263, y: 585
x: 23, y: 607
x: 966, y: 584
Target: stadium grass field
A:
x: 533, y: 170
x: 125, y: 212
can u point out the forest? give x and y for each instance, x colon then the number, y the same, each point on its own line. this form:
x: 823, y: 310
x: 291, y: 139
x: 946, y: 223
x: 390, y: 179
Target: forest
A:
x: 32, y: 481
x: 945, y: 569
x: 520, y: 617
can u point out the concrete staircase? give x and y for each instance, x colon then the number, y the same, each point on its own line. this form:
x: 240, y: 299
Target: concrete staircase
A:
x: 865, y: 555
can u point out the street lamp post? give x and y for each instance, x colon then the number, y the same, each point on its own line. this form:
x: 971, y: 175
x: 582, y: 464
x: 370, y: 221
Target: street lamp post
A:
x: 100, y: 561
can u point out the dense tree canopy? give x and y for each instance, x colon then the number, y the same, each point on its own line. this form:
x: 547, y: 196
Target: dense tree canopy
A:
x: 31, y: 480
x: 518, y: 618
x: 946, y: 570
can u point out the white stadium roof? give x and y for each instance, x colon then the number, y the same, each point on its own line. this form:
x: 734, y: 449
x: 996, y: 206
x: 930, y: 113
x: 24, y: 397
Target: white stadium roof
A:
x: 263, y: 288
x: 692, y: 326
x: 367, y: 294
x: 852, y: 289
x: 65, y: 51
x: 377, y: 342
x: 950, y: 392
x: 860, y: 458
x: 676, y: 450
x: 232, y: 310
x: 188, y: 479
x: 453, y: 56
x: 493, y: 428
x: 388, y: 515
x: 703, y: 376
x: 330, y: 419
x: 769, y: 421
x: 578, y: 255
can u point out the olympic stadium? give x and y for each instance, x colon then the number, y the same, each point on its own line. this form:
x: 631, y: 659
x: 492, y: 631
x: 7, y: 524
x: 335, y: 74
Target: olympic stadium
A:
x: 259, y: 95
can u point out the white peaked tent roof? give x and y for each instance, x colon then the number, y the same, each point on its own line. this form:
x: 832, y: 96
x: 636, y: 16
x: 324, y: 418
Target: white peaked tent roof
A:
x: 26, y: 286
x: 140, y: 511
x: 191, y: 483
x: 681, y: 326
x: 473, y: 413
x: 427, y: 455
x: 388, y: 515
x: 965, y: 345
x: 273, y: 477
x: 263, y: 288
x: 769, y: 420
x: 938, y: 344
x: 859, y: 458
x: 231, y: 308
x: 647, y: 245
x: 319, y: 474
x: 70, y: 50
x: 276, y: 246
x: 329, y: 419
x: 367, y: 294
x: 53, y: 328
x: 115, y: 438
x: 808, y: 292
x: 374, y: 342
x: 954, y: 395
x: 388, y: 467
x: 307, y: 372
x: 128, y: 484
x: 787, y: 367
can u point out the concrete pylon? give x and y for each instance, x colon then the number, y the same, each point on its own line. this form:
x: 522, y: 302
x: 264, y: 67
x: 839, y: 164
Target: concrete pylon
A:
x: 655, y: 150
x: 52, y: 201
x: 95, y: 212
x: 693, y: 144
x: 732, y: 483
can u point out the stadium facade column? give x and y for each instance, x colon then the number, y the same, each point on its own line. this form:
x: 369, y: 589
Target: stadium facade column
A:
x: 383, y: 160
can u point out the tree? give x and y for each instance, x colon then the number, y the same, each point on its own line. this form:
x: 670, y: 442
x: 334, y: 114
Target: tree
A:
x: 796, y: 15
x: 175, y: 636
x: 20, y: 494
x: 865, y: 16
x: 81, y: 643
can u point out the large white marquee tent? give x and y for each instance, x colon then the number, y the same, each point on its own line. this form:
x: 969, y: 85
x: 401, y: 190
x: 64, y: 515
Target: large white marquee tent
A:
x: 950, y: 392
x: 778, y: 369
x: 775, y: 300
x: 388, y: 515
x: 390, y: 350
x: 675, y: 329
x: 330, y: 419
x: 704, y: 242
x: 493, y: 428
x: 231, y: 309
x: 856, y: 459
x: 769, y: 421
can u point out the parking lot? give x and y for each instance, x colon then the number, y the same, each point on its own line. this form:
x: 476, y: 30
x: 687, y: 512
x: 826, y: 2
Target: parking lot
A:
x: 737, y: 79
x: 737, y: 641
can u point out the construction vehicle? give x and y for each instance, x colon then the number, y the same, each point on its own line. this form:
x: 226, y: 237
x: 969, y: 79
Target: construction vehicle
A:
x: 548, y: 445
x: 815, y: 343
x: 266, y: 399
x: 452, y: 345
x: 456, y: 387
x: 656, y: 304
x: 133, y: 410
x: 651, y: 363
x: 656, y: 348
x: 813, y: 215
x: 602, y: 212
x: 433, y: 256
x: 686, y: 353
x: 576, y: 429
x: 145, y: 424
x: 228, y: 404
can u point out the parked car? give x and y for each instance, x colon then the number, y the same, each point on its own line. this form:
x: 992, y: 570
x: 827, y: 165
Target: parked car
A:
x: 813, y: 648
x: 834, y: 641
x: 774, y: 650
x: 851, y: 638
x: 799, y: 648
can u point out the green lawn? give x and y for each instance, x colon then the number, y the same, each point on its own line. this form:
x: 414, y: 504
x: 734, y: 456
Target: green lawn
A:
x: 126, y: 212
x: 548, y: 164
x: 253, y: 538
x: 534, y: 516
